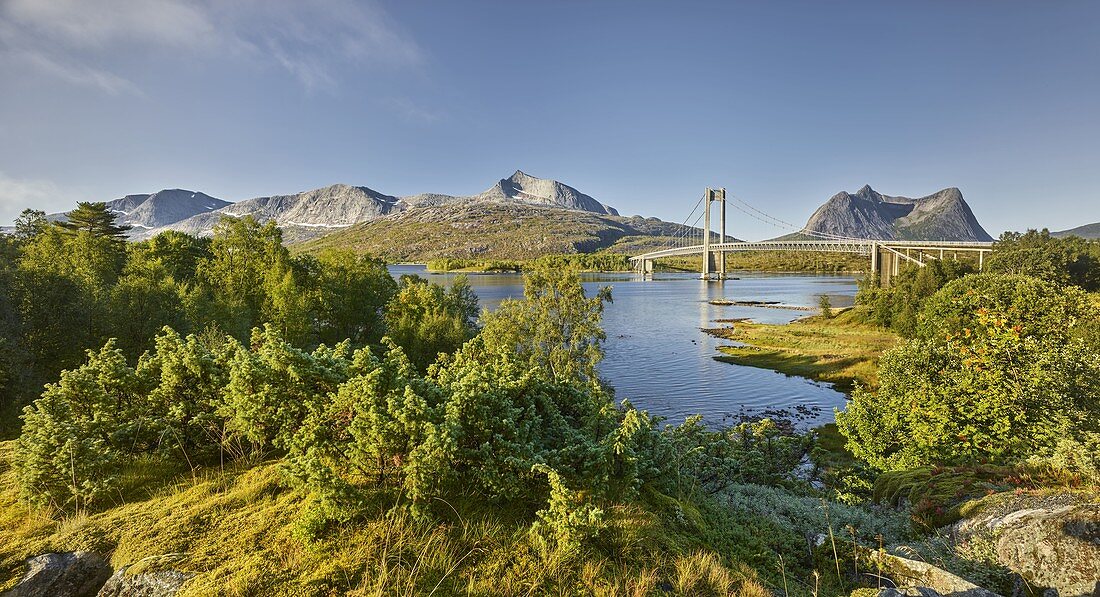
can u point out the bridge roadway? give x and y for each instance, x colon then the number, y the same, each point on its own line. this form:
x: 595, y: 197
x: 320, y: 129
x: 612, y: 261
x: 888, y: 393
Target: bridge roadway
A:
x: 886, y: 255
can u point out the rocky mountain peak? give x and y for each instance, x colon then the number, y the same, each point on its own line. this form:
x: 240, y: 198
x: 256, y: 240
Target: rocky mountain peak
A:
x: 943, y: 215
x: 524, y: 188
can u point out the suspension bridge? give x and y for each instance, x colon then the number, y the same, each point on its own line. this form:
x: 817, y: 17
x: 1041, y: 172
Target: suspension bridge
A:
x: 887, y: 256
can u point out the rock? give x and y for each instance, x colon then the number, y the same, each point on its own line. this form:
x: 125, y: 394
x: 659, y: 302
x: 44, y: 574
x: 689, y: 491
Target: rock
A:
x: 926, y: 576
x: 164, y: 583
x: 943, y: 215
x: 911, y: 592
x: 68, y: 574
x: 1053, y: 548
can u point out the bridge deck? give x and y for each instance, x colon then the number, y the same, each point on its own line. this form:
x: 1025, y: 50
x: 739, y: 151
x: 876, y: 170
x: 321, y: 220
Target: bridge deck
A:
x: 863, y: 247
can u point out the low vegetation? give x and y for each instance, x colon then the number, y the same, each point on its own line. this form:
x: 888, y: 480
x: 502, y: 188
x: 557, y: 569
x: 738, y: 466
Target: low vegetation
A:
x: 773, y: 261
x: 584, y: 262
x: 502, y: 232
x: 843, y: 349
x: 299, y: 424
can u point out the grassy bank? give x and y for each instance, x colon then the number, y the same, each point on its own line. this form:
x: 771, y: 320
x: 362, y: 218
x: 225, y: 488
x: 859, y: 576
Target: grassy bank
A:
x: 246, y: 531
x: 842, y: 350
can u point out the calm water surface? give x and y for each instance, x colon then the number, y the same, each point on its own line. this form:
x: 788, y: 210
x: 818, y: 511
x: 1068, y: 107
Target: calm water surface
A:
x: 657, y: 357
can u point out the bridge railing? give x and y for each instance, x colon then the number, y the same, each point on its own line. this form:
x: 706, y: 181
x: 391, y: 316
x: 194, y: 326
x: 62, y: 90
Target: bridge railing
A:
x: 863, y: 247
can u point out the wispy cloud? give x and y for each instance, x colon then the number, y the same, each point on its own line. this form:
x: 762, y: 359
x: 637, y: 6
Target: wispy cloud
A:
x: 312, y: 40
x: 410, y: 111
x: 19, y: 194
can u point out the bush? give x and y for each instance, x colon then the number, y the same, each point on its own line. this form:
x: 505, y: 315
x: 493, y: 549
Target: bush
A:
x: 995, y: 376
x: 1039, y: 309
x: 1063, y: 261
x: 74, y: 437
x: 427, y: 319
x: 898, y: 306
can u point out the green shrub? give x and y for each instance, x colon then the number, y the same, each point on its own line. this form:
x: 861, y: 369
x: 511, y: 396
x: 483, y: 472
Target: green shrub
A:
x: 995, y: 376
x: 936, y: 496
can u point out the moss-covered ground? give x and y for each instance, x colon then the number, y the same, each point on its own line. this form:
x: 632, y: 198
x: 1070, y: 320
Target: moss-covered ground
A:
x: 843, y: 349
x: 248, y: 531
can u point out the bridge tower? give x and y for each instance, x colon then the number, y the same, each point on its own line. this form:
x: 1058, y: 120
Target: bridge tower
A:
x: 711, y: 196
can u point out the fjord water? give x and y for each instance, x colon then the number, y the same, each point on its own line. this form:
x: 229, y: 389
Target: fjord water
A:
x: 658, y: 357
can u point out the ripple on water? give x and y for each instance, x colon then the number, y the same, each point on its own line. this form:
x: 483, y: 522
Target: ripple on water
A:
x: 657, y: 357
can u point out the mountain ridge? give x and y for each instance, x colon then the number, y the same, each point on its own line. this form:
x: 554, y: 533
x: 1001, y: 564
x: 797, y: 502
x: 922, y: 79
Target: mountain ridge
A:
x: 943, y: 215
x: 312, y: 213
x: 1090, y: 231
x: 147, y: 211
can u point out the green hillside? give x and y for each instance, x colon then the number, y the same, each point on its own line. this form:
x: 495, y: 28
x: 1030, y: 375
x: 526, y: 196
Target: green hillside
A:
x: 496, y: 231
x: 1086, y: 231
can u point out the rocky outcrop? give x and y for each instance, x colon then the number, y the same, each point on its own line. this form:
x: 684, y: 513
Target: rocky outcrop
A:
x: 318, y: 212
x: 943, y: 215
x: 524, y: 188
x: 1051, y: 545
x: 908, y: 572
x: 145, y: 212
x: 164, y: 583
x: 68, y: 574
x: 305, y: 214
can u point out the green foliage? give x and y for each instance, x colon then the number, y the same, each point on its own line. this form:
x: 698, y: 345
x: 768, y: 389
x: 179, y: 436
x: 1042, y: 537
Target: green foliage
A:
x: 589, y: 262
x: 569, y: 520
x: 994, y: 376
x: 797, y: 516
x: 353, y: 291
x: 29, y: 224
x: 898, y: 306
x: 427, y: 319
x: 63, y: 291
x: 247, y: 264
x: 1063, y: 261
x: 935, y: 496
x: 555, y: 330
x: 698, y: 457
x: 179, y: 418
x: 273, y: 387
x: 450, y: 264
x: 74, y: 437
x: 1037, y: 308
x: 825, y: 306
x: 368, y: 429
x: 95, y: 219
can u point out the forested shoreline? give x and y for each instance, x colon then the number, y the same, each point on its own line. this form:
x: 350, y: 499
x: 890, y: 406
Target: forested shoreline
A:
x: 369, y: 433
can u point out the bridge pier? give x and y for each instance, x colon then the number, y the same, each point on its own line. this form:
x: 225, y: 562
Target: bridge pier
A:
x: 714, y: 195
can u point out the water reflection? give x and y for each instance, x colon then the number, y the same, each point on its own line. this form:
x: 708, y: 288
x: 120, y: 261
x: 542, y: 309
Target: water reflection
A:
x: 657, y: 357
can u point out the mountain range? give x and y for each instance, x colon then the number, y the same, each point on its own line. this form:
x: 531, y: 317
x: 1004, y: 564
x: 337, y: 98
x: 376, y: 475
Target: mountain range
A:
x: 314, y: 213
x: 516, y: 217
x: 943, y: 215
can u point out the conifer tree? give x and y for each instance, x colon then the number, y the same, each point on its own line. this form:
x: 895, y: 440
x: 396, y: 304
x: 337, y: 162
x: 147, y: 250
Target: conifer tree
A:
x: 94, y: 217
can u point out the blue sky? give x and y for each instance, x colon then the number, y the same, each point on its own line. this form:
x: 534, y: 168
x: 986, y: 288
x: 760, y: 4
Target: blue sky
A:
x: 640, y: 104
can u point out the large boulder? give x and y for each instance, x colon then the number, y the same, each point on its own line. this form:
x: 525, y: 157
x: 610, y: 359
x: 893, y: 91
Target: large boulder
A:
x: 924, y: 575
x: 164, y: 583
x: 1053, y: 548
x: 68, y: 574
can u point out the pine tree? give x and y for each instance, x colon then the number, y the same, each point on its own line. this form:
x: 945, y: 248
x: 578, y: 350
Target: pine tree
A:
x: 96, y: 219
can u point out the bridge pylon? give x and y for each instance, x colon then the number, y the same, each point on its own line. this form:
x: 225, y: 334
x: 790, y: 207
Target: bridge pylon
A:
x: 712, y: 196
